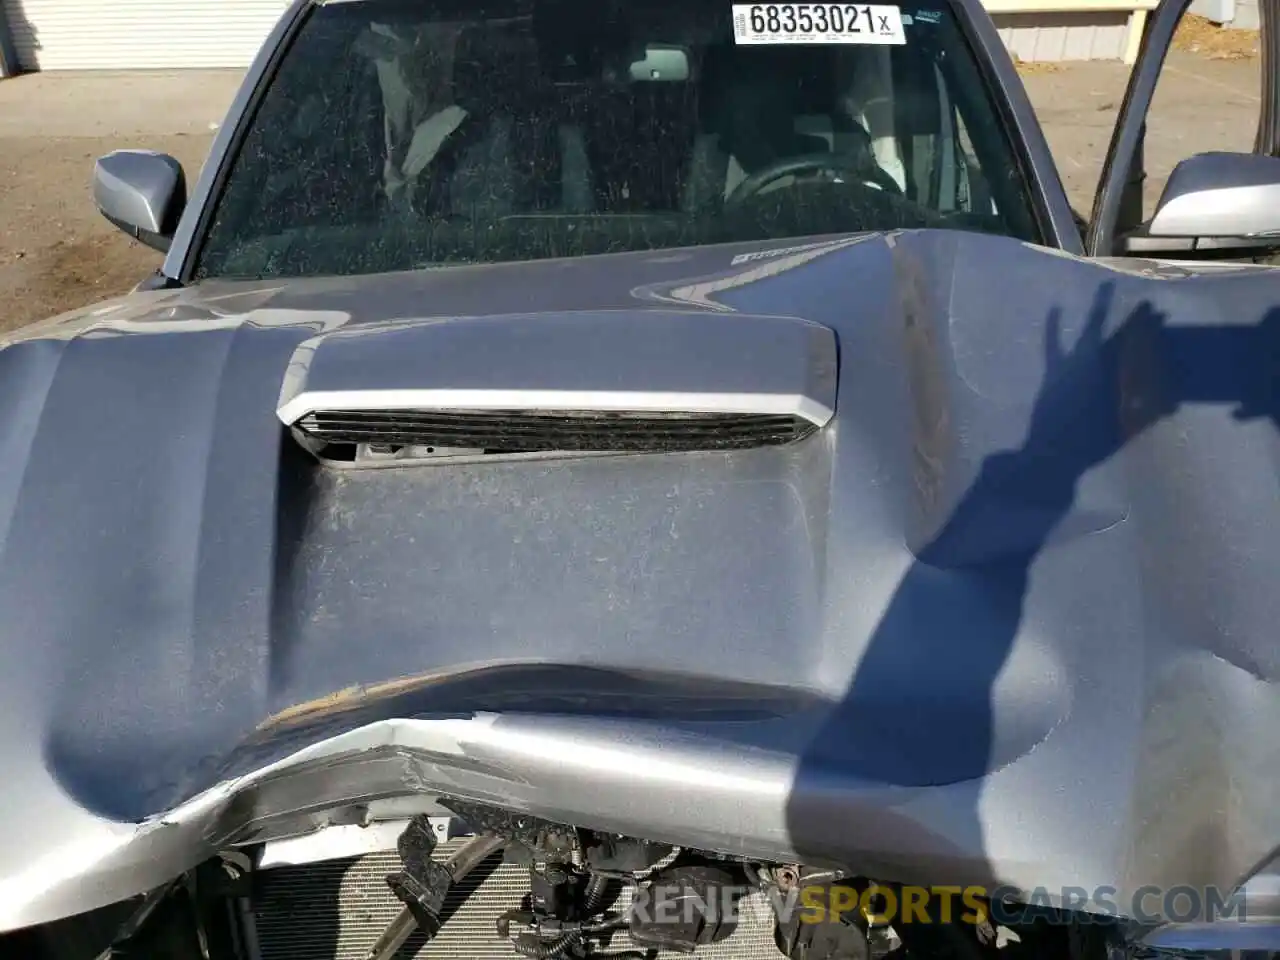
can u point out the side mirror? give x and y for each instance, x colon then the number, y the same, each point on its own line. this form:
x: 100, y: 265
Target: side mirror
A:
x: 142, y: 192
x: 1214, y: 205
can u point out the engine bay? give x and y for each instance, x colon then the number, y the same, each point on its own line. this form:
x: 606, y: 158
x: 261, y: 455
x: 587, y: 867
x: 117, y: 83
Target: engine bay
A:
x: 485, y: 883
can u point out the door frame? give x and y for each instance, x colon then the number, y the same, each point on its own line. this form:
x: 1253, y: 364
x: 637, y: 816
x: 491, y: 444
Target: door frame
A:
x: 1119, y: 191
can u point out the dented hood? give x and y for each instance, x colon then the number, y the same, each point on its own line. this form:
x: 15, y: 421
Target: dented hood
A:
x: 1006, y: 614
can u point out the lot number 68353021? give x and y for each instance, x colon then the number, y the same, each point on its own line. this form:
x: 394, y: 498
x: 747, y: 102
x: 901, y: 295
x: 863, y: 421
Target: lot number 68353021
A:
x: 817, y: 23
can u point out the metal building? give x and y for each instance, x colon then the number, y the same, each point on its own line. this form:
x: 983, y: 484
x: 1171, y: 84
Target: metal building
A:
x: 136, y: 34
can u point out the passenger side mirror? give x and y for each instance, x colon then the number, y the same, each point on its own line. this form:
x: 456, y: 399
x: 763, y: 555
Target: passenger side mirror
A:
x: 1214, y: 205
x: 142, y: 192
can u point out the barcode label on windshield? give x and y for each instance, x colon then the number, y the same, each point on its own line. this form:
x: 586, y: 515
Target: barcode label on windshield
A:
x: 816, y: 23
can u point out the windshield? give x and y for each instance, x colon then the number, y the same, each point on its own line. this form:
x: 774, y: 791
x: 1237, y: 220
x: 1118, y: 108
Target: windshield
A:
x: 399, y: 134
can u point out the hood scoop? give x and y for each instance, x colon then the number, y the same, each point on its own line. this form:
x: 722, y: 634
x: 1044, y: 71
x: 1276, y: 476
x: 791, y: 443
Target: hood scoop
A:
x: 471, y: 432
x: 599, y: 383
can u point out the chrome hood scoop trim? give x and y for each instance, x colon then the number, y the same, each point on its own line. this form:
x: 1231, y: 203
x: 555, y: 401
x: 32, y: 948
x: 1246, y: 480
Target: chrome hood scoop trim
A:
x: 585, y: 381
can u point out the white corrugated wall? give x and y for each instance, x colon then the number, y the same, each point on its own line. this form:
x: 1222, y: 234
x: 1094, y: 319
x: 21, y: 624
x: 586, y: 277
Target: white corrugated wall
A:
x: 139, y: 34
x: 1096, y: 35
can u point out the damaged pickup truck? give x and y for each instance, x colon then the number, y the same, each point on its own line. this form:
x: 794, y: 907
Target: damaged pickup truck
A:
x: 617, y: 478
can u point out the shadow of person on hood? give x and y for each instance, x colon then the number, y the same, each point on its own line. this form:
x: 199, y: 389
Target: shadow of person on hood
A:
x: 919, y: 710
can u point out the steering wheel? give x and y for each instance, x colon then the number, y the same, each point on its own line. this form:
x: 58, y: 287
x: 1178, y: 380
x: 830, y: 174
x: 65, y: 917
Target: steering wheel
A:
x: 865, y: 170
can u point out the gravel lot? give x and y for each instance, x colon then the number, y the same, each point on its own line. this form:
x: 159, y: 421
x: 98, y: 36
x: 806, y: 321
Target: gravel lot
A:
x: 57, y: 253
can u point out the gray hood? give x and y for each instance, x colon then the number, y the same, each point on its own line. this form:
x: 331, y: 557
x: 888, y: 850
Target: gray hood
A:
x: 1008, y: 616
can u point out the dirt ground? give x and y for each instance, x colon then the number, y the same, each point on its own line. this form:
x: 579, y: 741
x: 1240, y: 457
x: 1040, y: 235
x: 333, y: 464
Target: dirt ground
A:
x: 1202, y: 36
x: 57, y: 253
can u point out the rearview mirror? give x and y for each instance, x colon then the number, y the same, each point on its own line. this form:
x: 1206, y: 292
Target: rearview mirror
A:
x: 1215, y: 205
x: 661, y: 63
x: 142, y: 192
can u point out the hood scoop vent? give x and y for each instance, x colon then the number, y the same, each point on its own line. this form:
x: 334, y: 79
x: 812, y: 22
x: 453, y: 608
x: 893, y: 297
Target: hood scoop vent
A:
x: 578, y: 384
x: 413, y: 434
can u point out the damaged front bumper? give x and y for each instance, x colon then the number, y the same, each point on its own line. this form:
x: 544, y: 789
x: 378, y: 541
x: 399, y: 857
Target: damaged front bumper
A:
x: 680, y: 784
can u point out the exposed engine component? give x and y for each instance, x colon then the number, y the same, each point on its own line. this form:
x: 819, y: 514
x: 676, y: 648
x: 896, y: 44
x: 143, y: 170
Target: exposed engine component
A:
x: 550, y: 901
x: 564, y: 908
x: 556, y: 841
x: 564, y: 911
x: 531, y: 839
x: 626, y: 856
x: 423, y: 883
x: 680, y: 900
x: 587, y: 895
x: 832, y: 936
x: 687, y: 906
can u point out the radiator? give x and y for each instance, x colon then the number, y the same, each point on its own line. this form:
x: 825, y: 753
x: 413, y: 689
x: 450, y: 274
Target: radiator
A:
x: 336, y: 909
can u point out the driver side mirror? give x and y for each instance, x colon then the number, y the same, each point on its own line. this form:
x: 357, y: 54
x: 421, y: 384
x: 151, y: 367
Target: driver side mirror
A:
x: 142, y: 192
x: 1214, y: 205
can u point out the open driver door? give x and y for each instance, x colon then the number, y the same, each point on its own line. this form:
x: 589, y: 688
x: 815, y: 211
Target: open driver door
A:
x: 1215, y: 205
